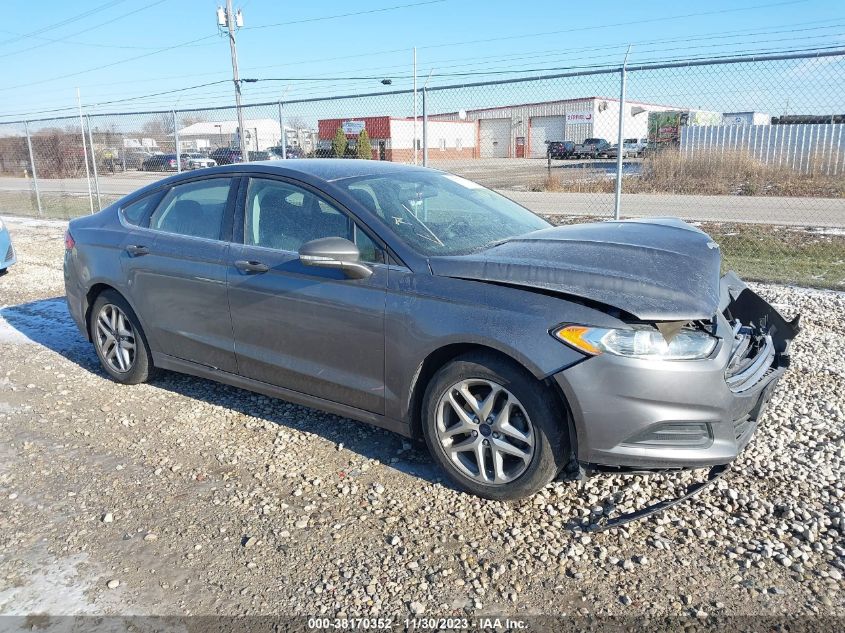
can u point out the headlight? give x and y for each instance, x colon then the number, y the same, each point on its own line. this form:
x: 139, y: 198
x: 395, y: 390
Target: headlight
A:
x: 638, y: 342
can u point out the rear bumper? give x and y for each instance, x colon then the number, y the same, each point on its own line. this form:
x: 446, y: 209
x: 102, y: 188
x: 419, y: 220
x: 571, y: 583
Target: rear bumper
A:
x: 75, y: 295
x: 639, y: 414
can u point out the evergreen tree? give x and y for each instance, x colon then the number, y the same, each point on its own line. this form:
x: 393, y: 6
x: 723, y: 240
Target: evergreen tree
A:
x: 365, y: 150
x: 339, y: 143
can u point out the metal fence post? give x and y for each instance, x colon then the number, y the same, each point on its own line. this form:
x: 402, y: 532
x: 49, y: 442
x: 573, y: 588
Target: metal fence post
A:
x: 94, y: 163
x: 32, y: 164
x: 284, y: 140
x: 620, y: 146
x: 85, y: 152
x: 176, y: 143
x: 425, y: 127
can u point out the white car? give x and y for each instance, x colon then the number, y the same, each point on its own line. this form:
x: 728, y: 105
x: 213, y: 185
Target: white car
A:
x: 197, y: 161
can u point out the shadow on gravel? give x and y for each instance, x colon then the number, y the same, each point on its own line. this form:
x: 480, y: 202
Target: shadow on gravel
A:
x: 47, y: 322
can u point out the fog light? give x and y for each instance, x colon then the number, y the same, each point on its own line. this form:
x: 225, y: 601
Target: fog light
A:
x: 675, y: 435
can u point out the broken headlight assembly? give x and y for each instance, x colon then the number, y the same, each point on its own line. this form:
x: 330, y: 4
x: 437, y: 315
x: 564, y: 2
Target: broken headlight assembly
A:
x: 637, y: 342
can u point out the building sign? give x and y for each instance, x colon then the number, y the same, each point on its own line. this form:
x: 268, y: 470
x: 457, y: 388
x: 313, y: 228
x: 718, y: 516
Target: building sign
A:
x: 579, y: 117
x: 352, y: 127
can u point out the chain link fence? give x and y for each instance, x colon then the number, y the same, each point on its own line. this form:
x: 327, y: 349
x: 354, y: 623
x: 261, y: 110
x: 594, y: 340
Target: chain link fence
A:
x: 750, y: 149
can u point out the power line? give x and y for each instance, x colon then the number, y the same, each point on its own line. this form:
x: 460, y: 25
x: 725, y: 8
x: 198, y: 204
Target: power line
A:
x: 628, y: 23
x: 354, y: 81
x: 67, y: 40
x: 750, y: 55
x: 117, y: 63
x: 344, y: 15
x: 64, y: 22
x: 562, y: 54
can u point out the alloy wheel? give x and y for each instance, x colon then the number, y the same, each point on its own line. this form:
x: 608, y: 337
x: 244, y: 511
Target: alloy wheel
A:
x: 115, y: 338
x: 485, y: 431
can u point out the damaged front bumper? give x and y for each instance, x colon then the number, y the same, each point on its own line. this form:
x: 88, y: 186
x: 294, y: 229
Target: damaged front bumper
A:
x: 637, y: 414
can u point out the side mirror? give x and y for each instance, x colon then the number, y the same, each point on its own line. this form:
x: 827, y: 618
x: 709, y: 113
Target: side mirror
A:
x: 337, y: 253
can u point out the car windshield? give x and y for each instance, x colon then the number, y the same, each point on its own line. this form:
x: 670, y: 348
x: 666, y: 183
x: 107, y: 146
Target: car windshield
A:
x: 442, y: 214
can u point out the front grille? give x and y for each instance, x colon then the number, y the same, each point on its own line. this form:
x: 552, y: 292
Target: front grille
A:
x: 752, y: 356
x: 10, y: 253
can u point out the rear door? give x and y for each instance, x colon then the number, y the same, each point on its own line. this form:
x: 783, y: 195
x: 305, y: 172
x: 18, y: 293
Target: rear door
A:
x: 176, y: 270
x: 307, y: 329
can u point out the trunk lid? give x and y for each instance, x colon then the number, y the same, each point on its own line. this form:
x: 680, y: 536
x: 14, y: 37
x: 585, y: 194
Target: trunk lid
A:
x: 657, y: 269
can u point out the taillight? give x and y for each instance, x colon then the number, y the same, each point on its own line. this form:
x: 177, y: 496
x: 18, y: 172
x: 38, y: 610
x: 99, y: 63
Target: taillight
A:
x: 69, y: 241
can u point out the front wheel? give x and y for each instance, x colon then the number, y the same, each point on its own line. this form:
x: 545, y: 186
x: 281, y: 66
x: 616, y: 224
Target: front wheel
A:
x: 494, y: 429
x: 119, y: 340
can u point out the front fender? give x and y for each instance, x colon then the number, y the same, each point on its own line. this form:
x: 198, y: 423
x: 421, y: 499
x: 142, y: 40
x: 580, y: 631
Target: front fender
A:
x: 426, y: 313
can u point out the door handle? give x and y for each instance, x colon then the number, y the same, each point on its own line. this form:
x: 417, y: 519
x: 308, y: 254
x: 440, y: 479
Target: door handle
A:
x: 136, y: 250
x: 251, y: 266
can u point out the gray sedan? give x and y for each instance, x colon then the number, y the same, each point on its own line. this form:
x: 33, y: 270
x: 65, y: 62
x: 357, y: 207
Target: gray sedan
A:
x: 423, y: 303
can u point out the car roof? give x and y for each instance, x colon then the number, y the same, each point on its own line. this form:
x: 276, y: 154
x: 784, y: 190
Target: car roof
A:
x: 329, y: 169
x: 307, y: 169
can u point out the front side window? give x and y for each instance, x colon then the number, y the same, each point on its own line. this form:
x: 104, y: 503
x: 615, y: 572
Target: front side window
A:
x: 283, y: 216
x: 442, y: 214
x: 195, y: 209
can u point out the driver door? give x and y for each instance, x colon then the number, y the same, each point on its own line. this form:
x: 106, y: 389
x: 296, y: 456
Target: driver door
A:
x: 303, y: 328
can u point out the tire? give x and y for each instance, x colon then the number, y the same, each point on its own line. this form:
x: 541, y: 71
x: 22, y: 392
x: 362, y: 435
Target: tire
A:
x: 535, y: 414
x: 137, y: 366
x: 3, y: 271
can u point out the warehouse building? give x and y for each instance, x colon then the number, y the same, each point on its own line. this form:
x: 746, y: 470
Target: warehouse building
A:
x: 392, y: 138
x: 522, y: 131
x: 260, y: 135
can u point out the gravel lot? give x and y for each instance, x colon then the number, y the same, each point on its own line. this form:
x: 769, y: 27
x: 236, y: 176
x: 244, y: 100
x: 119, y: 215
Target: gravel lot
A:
x: 188, y: 497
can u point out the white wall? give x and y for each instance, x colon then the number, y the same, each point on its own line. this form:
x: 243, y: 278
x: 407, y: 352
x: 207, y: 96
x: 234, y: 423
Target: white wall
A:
x: 453, y: 132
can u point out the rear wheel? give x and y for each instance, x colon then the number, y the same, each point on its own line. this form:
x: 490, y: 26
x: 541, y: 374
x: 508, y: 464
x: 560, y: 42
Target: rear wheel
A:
x: 119, y: 341
x: 495, y: 430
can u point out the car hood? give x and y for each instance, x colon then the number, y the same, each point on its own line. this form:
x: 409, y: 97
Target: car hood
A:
x: 656, y: 269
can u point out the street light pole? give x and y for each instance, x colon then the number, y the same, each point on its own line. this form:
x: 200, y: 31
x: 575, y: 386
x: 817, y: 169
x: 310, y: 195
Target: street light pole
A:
x: 231, y: 22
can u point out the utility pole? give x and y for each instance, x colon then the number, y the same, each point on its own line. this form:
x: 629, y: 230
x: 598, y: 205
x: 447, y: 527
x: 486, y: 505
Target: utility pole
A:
x: 231, y: 21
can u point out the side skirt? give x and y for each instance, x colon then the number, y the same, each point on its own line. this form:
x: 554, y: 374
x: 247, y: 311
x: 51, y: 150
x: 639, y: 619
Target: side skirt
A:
x: 164, y: 361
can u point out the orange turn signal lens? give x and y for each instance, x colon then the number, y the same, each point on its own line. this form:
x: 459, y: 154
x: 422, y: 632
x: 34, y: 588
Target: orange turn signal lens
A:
x: 578, y: 336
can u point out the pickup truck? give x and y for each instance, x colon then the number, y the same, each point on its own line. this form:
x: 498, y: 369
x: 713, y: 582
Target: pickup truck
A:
x: 592, y: 148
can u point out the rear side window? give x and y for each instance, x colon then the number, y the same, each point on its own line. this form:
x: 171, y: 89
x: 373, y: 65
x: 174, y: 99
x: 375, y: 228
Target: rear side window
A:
x: 195, y: 209
x: 136, y: 212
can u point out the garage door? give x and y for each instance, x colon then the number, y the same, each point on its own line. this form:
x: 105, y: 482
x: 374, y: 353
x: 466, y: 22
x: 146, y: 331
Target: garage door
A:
x: 494, y: 138
x: 546, y: 128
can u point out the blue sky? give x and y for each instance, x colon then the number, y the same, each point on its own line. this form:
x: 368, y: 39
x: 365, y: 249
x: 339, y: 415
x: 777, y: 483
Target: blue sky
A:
x: 298, y: 41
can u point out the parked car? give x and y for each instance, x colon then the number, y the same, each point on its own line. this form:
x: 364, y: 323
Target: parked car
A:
x: 638, y: 145
x: 195, y: 160
x: 560, y: 149
x: 515, y: 349
x: 259, y: 155
x: 134, y: 159
x: 7, y: 251
x: 629, y: 150
x: 291, y: 151
x: 161, y: 162
x: 592, y: 148
x: 226, y: 156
